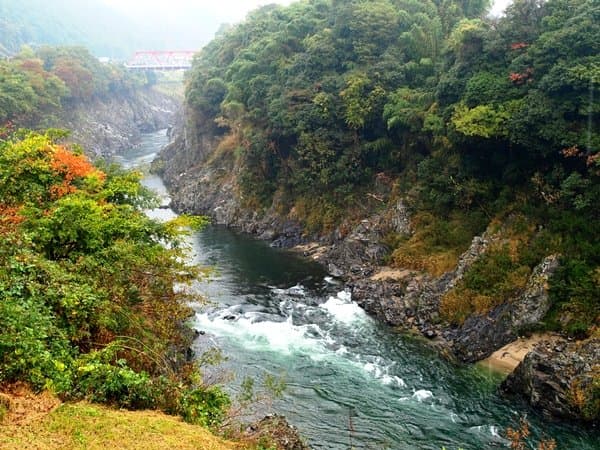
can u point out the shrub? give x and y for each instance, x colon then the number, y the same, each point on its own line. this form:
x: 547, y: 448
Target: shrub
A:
x: 88, y: 303
x: 206, y: 406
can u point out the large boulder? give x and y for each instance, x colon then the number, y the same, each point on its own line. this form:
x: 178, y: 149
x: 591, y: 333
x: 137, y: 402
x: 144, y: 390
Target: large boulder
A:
x: 277, y: 431
x: 534, y: 303
x: 561, y: 379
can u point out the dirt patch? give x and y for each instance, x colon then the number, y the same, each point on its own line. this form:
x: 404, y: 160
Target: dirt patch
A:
x: 390, y: 274
x: 311, y: 250
x: 23, y: 406
x: 508, y: 357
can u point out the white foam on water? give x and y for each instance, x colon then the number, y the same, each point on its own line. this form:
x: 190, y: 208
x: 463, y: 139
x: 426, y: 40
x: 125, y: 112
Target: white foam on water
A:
x: 489, y: 430
x: 343, y: 309
x: 283, y: 337
x: 422, y: 395
x: 330, y: 280
x: 393, y: 380
x: 345, y: 296
x: 373, y: 369
x: 381, y: 372
x: 342, y: 351
x: 296, y: 291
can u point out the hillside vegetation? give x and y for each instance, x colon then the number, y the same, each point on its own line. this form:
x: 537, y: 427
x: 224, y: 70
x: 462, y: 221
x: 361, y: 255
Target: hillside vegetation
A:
x: 477, y: 123
x: 90, y: 308
x: 35, y: 86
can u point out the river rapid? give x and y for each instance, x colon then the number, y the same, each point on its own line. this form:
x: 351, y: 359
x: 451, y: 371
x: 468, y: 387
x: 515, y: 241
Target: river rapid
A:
x: 351, y: 382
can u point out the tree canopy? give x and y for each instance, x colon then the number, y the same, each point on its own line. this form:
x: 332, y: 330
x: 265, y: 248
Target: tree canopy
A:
x: 469, y: 114
x: 35, y: 85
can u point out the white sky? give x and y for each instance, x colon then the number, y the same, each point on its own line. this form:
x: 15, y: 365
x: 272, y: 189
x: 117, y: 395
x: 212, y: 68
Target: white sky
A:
x: 223, y: 11
x: 229, y: 11
x: 499, y: 6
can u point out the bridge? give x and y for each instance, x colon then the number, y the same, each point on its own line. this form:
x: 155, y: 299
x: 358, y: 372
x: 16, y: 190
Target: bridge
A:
x: 161, y: 60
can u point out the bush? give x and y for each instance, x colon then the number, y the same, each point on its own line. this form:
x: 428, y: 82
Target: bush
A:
x: 88, y: 303
x: 116, y: 384
x: 438, y: 242
x: 206, y: 406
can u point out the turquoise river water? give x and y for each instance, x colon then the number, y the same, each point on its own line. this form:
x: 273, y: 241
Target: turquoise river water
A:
x: 351, y: 381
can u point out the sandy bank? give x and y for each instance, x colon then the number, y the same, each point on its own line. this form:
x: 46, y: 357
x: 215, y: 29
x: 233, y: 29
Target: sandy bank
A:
x: 508, y: 357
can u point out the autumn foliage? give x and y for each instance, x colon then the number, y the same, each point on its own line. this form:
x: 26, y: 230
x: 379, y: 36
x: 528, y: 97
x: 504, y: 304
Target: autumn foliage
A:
x: 70, y: 167
x: 88, y: 306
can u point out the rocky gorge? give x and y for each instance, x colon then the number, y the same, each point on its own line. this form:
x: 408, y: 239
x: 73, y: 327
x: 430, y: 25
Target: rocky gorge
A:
x: 202, y: 179
x: 109, y: 125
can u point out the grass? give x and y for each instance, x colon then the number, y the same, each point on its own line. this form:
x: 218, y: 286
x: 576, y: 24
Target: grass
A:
x: 86, y: 426
x: 497, y: 276
x: 437, y: 243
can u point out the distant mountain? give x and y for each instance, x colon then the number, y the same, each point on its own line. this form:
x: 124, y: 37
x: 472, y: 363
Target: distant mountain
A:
x: 104, y: 30
x: 66, y: 22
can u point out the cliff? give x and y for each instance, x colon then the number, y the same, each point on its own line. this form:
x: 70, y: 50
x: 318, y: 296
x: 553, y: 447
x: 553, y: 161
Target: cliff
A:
x: 108, y: 125
x: 203, y: 173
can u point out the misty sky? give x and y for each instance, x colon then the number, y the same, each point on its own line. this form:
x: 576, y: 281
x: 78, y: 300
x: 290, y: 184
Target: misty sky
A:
x: 222, y: 11
x: 196, y: 21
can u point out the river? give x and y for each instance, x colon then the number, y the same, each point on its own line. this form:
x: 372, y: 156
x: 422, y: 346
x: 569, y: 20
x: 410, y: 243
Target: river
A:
x: 351, y: 382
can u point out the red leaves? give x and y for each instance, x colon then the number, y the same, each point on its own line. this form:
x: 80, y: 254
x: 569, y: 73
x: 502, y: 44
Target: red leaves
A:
x: 10, y: 218
x: 522, y: 77
x: 519, y: 45
x: 592, y: 161
x: 6, y: 130
x: 71, y: 166
x: 571, y: 152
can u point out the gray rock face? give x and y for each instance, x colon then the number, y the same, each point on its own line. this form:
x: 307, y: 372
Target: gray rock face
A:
x: 415, y: 301
x: 534, y: 303
x: 105, y: 127
x: 400, y: 219
x: 562, y: 380
x: 481, y: 335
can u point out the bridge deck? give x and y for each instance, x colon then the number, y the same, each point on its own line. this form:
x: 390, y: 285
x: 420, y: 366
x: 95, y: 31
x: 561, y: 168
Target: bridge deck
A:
x: 161, y: 60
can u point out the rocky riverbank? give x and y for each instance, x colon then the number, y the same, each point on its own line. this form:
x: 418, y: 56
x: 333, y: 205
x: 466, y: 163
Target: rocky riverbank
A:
x: 561, y: 379
x: 108, y: 126
x: 204, y: 180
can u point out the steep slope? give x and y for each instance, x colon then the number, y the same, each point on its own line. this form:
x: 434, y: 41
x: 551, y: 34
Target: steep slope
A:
x: 66, y: 87
x: 461, y: 151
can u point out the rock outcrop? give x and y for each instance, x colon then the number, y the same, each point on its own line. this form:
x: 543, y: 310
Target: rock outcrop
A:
x: 561, y: 379
x: 105, y: 127
x: 276, y: 430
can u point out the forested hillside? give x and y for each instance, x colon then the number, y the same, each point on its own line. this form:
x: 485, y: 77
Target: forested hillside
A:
x: 476, y: 123
x: 105, y: 105
x: 35, y: 85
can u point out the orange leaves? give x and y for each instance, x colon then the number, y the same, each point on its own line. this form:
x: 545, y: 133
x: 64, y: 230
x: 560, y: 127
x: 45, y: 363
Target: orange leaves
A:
x: 10, y: 217
x: 519, y: 45
x: 70, y: 167
x: 521, y: 78
x: 571, y: 152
